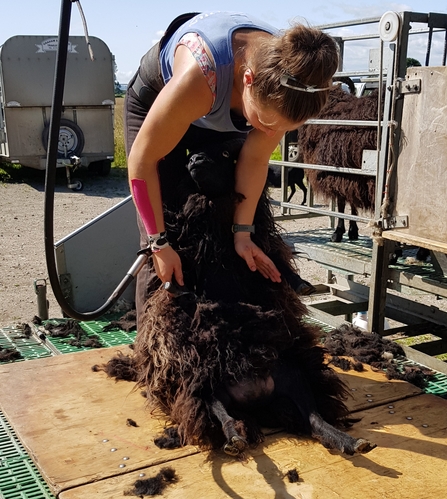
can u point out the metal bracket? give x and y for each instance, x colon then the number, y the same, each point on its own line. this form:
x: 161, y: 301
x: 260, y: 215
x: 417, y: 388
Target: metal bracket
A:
x: 66, y: 287
x: 408, y: 86
x: 398, y: 222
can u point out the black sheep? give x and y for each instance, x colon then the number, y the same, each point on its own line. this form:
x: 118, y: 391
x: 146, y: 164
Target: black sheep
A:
x: 342, y: 146
x: 231, y: 351
x: 295, y: 176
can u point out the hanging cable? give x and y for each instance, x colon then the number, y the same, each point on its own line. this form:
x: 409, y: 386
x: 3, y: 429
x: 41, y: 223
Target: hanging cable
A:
x: 50, y: 180
x: 84, y: 23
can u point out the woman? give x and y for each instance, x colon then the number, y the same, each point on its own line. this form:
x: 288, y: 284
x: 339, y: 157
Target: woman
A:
x: 212, y: 77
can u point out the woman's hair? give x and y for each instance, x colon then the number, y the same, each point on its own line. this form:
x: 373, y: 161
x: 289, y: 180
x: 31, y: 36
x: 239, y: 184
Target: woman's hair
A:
x: 303, y: 57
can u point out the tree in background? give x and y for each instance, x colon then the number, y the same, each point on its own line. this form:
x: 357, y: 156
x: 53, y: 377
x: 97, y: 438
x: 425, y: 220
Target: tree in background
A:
x: 118, y: 90
x: 411, y: 63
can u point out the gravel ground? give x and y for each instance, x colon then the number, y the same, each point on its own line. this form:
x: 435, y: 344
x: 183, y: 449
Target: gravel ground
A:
x: 22, y: 232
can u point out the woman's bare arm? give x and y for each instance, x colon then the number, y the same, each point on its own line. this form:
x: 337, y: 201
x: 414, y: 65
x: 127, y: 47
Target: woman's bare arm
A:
x: 251, y: 175
x: 185, y: 98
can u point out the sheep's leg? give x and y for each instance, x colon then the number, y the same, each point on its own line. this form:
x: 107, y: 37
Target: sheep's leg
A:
x: 337, y: 236
x: 353, y: 231
x: 292, y: 191
x: 235, y: 444
x: 300, y: 184
x: 304, y: 189
x: 332, y: 438
x: 289, y: 382
x: 422, y: 254
x: 397, y: 253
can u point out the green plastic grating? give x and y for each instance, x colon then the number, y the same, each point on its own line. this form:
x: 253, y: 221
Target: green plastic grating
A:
x: 19, y: 477
x: 10, y: 447
x: 315, y: 322
x: 437, y: 385
x: 29, y: 347
x: 92, y: 328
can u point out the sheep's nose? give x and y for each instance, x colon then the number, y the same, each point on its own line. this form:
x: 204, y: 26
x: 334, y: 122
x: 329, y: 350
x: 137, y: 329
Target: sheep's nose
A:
x: 199, y: 158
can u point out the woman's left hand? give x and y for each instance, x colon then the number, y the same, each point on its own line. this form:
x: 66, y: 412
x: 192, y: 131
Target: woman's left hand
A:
x: 255, y: 258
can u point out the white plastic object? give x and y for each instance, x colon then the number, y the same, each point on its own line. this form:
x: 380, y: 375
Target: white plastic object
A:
x: 361, y: 321
x: 389, y: 26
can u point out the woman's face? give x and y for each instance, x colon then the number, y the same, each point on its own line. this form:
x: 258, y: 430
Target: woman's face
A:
x: 264, y: 118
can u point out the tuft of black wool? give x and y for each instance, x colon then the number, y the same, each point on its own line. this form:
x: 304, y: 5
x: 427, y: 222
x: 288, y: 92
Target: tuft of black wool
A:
x: 371, y: 348
x: 364, y: 347
x: 128, y: 323
x: 155, y: 485
x: 169, y: 440
x: 120, y: 367
x: 346, y: 364
x: 415, y: 375
x: 341, y: 362
x: 71, y: 327
x: 9, y: 354
x: 293, y: 476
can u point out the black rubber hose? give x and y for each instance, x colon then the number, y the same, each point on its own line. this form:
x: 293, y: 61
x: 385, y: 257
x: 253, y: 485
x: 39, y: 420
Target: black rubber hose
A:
x: 50, y: 181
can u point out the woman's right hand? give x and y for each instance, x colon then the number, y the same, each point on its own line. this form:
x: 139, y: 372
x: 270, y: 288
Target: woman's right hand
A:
x: 167, y: 263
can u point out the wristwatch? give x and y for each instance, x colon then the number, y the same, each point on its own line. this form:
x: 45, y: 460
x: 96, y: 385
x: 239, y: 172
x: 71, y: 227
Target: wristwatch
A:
x: 242, y: 228
x: 158, y: 241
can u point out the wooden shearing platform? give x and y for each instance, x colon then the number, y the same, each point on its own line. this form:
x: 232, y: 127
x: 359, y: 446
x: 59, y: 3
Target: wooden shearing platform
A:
x: 73, y: 423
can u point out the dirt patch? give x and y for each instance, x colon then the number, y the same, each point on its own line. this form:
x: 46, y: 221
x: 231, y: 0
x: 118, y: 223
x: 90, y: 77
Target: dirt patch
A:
x: 22, y: 232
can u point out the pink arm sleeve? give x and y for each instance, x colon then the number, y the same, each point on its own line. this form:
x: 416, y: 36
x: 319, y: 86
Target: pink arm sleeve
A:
x: 143, y: 204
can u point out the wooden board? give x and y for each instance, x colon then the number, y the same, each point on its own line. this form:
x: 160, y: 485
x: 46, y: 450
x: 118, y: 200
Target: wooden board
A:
x: 369, y: 389
x: 63, y: 412
x: 421, y: 186
x: 409, y: 463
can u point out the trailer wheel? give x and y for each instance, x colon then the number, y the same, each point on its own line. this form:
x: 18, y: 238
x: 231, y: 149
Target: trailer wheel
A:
x: 76, y: 185
x: 71, y: 139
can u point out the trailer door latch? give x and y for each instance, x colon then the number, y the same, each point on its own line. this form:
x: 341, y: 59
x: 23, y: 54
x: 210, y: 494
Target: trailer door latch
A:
x: 408, y: 86
x: 397, y: 222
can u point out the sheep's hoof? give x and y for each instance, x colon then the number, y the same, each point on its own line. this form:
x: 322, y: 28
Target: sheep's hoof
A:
x: 337, y: 236
x: 362, y: 446
x: 235, y: 446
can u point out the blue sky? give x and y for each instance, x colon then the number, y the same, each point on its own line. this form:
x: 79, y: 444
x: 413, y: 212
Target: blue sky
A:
x: 131, y: 27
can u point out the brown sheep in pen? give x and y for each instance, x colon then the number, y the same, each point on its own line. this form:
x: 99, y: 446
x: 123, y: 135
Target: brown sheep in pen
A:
x: 342, y: 146
x: 231, y: 351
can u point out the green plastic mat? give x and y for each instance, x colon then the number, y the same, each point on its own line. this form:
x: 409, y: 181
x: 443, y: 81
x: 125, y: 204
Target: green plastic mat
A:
x: 326, y: 328
x: 19, y: 477
x: 92, y: 329
x: 29, y: 347
x: 437, y: 385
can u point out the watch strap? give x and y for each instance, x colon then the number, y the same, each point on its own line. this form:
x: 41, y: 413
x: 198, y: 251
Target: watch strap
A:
x: 243, y: 228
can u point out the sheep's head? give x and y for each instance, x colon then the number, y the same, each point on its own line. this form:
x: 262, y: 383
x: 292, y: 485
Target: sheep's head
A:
x: 212, y: 167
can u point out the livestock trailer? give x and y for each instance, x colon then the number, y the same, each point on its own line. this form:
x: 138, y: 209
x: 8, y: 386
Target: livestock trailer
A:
x: 27, y: 72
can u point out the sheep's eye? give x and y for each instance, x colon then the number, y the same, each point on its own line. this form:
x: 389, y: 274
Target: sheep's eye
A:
x: 225, y: 154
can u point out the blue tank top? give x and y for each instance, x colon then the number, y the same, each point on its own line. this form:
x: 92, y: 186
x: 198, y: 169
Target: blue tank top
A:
x: 216, y: 29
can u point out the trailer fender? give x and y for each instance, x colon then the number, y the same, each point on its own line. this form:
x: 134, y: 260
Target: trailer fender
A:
x: 71, y: 139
